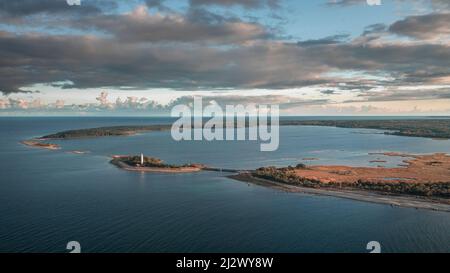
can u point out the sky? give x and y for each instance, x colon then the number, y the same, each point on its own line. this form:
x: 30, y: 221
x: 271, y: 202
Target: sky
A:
x: 142, y: 57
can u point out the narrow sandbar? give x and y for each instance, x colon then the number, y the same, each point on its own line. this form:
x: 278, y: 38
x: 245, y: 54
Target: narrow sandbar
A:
x: 39, y: 144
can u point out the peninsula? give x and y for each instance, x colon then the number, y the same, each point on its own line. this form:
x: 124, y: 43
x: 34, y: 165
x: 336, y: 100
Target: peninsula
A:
x: 424, y: 179
x: 430, y: 128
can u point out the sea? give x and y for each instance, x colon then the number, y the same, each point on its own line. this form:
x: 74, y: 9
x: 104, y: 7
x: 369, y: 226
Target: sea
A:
x: 49, y: 198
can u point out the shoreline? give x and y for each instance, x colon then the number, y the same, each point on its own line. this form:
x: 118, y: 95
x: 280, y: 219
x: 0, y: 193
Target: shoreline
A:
x: 430, y: 128
x: 406, y: 201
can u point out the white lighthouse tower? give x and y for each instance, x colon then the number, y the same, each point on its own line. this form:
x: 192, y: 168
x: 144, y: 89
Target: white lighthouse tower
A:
x: 142, y: 159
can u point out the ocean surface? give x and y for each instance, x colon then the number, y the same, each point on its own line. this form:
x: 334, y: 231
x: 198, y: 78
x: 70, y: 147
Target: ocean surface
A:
x: 48, y: 198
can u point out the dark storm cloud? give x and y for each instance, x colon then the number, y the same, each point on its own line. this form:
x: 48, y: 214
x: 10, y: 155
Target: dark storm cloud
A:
x: 424, y: 26
x: 195, y: 26
x: 32, y: 7
x: 99, y: 62
x: 406, y: 63
x: 244, y: 3
x: 93, y: 62
x: 335, y: 39
x: 200, y: 50
x: 328, y: 92
x: 406, y: 95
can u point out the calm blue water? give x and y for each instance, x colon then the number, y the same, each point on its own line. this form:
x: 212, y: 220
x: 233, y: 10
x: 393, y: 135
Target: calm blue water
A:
x: 48, y: 198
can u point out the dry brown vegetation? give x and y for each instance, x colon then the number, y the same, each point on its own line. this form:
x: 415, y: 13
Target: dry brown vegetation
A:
x: 425, y: 175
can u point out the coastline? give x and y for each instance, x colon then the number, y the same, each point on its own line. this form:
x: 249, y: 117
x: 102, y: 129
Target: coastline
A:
x: 430, y: 128
x: 130, y: 130
x: 413, y: 170
x: 357, y: 195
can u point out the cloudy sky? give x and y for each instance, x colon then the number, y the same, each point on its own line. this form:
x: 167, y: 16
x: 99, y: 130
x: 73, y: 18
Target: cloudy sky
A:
x: 141, y: 57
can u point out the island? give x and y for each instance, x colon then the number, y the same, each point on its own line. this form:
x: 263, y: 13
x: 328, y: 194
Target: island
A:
x: 39, y: 144
x: 106, y: 131
x: 150, y: 164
